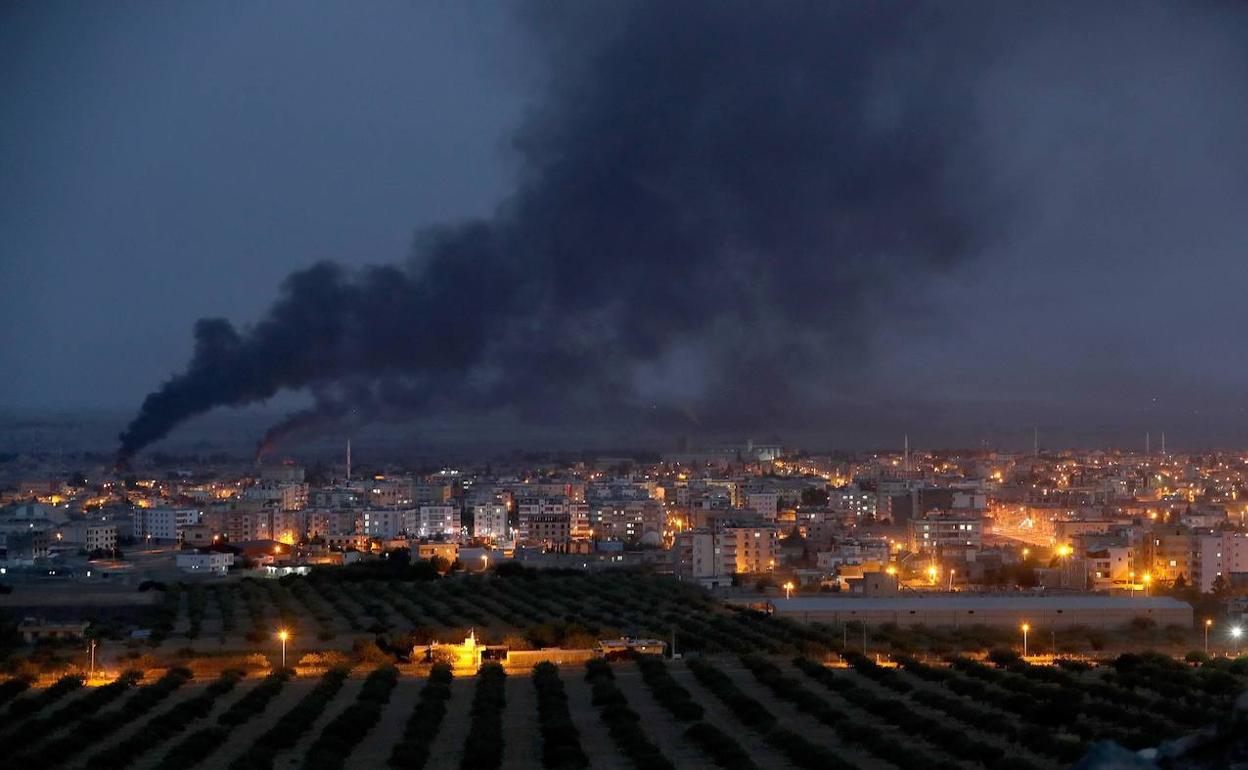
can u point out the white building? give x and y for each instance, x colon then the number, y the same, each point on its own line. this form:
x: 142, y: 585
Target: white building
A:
x: 162, y: 523
x: 489, y: 521
x: 207, y: 563
x: 438, y: 521
x: 383, y: 523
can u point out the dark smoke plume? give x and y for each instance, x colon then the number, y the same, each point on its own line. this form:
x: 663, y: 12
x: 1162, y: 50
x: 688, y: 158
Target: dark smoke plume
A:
x: 715, y: 201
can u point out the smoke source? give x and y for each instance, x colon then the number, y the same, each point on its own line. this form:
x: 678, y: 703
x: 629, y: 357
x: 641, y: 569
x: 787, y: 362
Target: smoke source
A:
x: 714, y: 202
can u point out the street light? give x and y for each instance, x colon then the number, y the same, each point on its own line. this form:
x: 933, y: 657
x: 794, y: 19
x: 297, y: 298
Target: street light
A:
x: 788, y: 589
x: 283, y: 635
x: 1026, y: 628
x: 931, y: 574
x: 485, y: 562
x: 1236, y: 632
x: 1147, y: 579
x: 951, y: 579
x: 1208, y: 623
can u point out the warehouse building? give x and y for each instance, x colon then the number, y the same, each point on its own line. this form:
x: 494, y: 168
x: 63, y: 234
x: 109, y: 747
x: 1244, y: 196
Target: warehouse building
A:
x: 1093, y: 611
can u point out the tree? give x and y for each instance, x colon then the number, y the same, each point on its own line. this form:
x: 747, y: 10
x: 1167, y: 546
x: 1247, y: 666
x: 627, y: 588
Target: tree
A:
x: 1180, y: 582
x: 1220, y: 586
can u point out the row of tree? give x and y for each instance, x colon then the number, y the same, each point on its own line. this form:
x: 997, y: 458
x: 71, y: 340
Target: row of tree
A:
x: 412, y: 750
x: 622, y: 722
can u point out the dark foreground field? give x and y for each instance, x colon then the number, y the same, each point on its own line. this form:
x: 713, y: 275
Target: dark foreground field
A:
x: 726, y: 711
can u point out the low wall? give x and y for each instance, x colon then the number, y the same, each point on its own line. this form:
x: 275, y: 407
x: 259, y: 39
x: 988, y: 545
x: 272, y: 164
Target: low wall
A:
x: 530, y: 658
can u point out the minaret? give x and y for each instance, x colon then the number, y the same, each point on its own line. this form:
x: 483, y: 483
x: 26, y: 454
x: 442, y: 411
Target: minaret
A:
x: 1163, y: 443
x: 1148, y: 444
x: 1035, y: 441
x: 348, y: 460
x: 905, y: 463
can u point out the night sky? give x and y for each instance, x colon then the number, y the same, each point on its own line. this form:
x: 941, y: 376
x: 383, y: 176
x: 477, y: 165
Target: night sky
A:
x: 834, y: 220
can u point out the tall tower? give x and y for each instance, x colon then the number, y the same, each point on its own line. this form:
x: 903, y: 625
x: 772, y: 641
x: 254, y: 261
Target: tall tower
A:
x: 348, y: 459
x: 1035, y: 441
x: 905, y: 462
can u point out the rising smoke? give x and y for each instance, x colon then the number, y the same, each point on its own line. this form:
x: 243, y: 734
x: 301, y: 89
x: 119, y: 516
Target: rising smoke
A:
x: 715, y: 200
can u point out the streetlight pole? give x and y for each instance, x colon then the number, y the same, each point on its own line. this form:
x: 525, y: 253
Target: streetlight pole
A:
x: 1208, y: 622
x: 951, y: 580
x: 283, y: 635
x: 1026, y: 628
x: 92, y: 675
x: 1236, y: 632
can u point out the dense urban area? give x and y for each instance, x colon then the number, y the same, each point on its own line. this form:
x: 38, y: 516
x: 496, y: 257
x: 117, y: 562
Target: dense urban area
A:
x: 1000, y: 610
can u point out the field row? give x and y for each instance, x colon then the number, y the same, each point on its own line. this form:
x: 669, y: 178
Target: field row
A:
x: 734, y: 712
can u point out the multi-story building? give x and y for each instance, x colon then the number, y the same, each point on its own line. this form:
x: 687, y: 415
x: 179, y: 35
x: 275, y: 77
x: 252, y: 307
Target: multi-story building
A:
x: 384, y: 522
x: 440, y: 521
x: 162, y: 523
x: 751, y: 550
x: 551, y: 520
x: 384, y: 492
x: 715, y: 555
x: 765, y: 504
x: 277, y: 496
x: 1109, y: 567
x: 627, y: 520
x: 940, y: 531
x: 852, y: 500
x: 489, y: 521
x: 101, y: 537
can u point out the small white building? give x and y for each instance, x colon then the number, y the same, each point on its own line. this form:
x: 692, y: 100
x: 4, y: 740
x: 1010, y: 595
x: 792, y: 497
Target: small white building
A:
x: 206, y: 563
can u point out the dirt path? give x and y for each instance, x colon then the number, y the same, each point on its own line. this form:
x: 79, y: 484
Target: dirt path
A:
x: 244, y: 735
x: 664, y: 729
x: 293, y: 757
x: 448, y: 746
x: 522, y: 740
x: 184, y: 693
x: 595, y: 739
x: 374, y: 750
x: 718, y: 715
x: 152, y: 758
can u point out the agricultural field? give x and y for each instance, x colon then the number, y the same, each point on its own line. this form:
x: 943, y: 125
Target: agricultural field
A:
x: 396, y: 606
x: 208, y: 690
x: 730, y: 711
